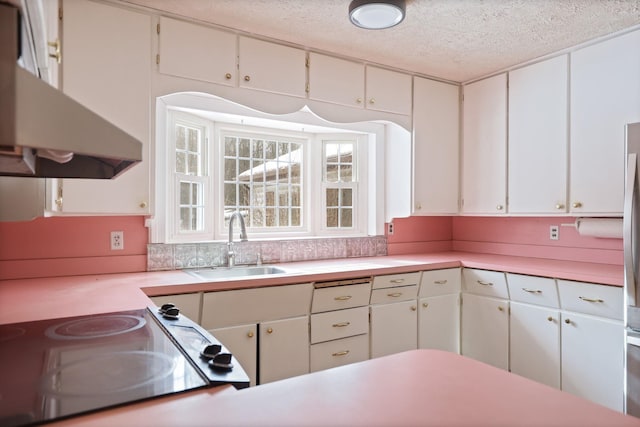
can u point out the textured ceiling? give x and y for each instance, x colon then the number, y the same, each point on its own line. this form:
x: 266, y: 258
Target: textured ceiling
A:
x: 457, y: 40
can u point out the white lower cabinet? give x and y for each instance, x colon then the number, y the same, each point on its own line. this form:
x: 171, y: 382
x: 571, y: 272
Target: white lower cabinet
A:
x: 394, y: 328
x: 189, y: 304
x: 485, y: 329
x: 439, y: 323
x: 593, y: 359
x: 242, y: 342
x: 283, y: 351
x: 535, y: 343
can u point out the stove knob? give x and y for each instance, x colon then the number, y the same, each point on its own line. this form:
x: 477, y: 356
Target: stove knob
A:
x: 211, y: 350
x: 222, y: 361
x: 171, y: 313
x: 166, y: 307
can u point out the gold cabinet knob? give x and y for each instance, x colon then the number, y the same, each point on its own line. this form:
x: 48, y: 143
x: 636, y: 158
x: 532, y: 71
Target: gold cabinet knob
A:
x: 372, y: 101
x: 500, y: 308
x: 247, y: 78
x: 269, y: 330
x: 550, y: 319
x: 425, y: 304
x: 250, y: 334
x: 414, y: 308
x: 577, y: 205
x: 359, y: 100
x: 418, y: 206
x: 227, y: 76
x: 559, y: 206
x: 499, y: 207
x: 567, y: 321
x: 143, y: 205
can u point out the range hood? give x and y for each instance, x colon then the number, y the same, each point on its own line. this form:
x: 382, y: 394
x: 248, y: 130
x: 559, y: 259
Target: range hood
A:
x: 43, y: 132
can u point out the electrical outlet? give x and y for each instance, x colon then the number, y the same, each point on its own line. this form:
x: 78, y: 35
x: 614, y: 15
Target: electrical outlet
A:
x: 117, y: 240
x: 554, y: 232
x: 390, y: 228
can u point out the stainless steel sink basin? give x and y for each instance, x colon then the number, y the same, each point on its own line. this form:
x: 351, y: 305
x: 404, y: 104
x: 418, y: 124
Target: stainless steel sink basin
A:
x: 235, y: 272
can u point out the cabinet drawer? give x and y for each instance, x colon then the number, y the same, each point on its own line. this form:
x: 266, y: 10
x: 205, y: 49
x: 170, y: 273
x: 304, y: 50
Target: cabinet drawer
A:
x: 533, y: 290
x: 230, y: 308
x: 485, y: 282
x: 339, y: 352
x: 391, y: 280
x: 440, y: 282
x: 339, y: 324
x: 590, y: 298
x: 340, y: 297
x: 395, y: 294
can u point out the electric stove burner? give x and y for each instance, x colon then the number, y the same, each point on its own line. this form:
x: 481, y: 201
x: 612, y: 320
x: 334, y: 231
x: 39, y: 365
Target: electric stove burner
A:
x: 96, y: 327
x: 115, y: 372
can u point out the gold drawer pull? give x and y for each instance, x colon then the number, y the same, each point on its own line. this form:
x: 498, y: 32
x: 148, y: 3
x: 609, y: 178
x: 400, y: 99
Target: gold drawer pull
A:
x: 250, y: 334
x: 440, y: 282
x: 532, y: 291
x: 341, y: 353
x: 396, y: 281
x: 591, y: 299
x: 480, y: 282
x: 394, y: 294
x: 343, y: 298
x: 269, y: 330
x: 341, y: 324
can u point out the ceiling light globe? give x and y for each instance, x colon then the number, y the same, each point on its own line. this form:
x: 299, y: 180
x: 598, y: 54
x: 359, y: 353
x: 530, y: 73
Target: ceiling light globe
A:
x: 376, y: 14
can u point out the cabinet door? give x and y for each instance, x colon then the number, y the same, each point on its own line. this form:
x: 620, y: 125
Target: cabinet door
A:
x: 242, y: 342
x: 394, y: 328
x: 593, y: 359
x: 439, y: 323
x: 284, y: 349
x: 436, y: 108
x: 114, y: 83
x: 336, y: 80
x: 538, y: 137
x: 605, y: 95
x: 484, y: 159
x: 535, y: 343
x: 272, y: 67
x: 485, y: 330
x: 197, y: 52
x: 388, y: 91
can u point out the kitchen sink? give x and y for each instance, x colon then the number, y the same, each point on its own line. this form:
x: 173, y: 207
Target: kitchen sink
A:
x: 235, y: 272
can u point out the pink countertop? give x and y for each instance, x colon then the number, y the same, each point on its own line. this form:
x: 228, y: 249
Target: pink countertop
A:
x: 35, y: 299
x: 415, y: 388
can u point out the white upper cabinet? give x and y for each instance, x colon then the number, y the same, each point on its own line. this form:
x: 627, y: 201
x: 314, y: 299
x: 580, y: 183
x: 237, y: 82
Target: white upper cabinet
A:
x: 538, y: 137
x: 605, y: 95
x: 272, y: 67
x: 484, y: 159
x: 436, y: 108
x: 388, y: 91
x: 336, y: 80
x: 197, y: 52
x: 106, y: 66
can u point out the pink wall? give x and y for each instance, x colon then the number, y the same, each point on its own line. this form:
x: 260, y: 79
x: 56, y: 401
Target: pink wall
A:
x: 67, y: 246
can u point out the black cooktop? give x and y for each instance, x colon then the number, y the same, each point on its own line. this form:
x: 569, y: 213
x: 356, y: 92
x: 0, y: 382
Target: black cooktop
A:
x: 54, y: 369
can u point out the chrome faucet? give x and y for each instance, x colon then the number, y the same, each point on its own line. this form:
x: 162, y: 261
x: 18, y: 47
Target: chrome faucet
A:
x: 231, y: 256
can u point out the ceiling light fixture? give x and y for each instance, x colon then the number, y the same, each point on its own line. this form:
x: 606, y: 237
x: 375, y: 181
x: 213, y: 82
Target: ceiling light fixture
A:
x: 376, y: 14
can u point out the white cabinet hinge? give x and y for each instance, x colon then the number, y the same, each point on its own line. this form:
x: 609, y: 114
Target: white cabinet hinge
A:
x: 60, y: 13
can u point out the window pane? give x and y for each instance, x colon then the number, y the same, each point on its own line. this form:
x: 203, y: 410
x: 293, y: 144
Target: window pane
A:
x: 295, y: 195
x: 283, y: 217
x: 244, y: 148
x: 346, y: 217
x: 230, y: 195
x: 295, y: 173
x: 257, y: 217
x: 193, y: 164
x: 270, y: 199
x: 230, y: 172
x: 332, y: 197
x: 244, y: 195
x: 184, y: 219
x: 194, y: 219
x: 258, y: 149
x: 243, y: 167
x: 195, y: 197
x: 271, y: 150
x: 296, y: 217
x: 283, y: 148
x: 229, y: 146
x: 181, y: 163
x: 345, y: 173
x: 194, y: 138
x: 180, y: 138
x: 184, y: 193
x: 345, y: 194
x: 270, y: 217
x: 332, y: 217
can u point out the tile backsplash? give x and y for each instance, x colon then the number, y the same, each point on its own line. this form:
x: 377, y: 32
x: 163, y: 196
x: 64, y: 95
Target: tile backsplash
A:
x: 178, y: 256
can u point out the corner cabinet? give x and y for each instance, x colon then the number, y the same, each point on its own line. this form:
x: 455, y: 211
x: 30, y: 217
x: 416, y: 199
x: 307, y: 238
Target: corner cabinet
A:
x: 538, y: 137
x: 484, y: 158
x: 605, y: 96
x: 436, y: 112
x: 439, y: 310
x: 114, y: 83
